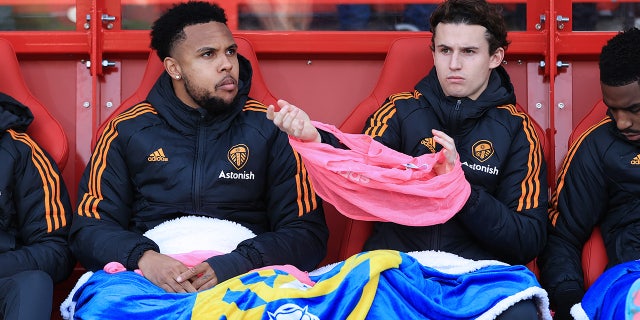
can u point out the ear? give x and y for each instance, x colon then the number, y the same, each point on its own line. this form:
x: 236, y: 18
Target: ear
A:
x: 496, y: 58
x: 172, y: 67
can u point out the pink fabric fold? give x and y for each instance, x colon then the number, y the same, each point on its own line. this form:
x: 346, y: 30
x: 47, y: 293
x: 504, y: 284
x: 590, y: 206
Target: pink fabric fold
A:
x: 302, y: 276
x: 372, y: 182
x: 114, y: 267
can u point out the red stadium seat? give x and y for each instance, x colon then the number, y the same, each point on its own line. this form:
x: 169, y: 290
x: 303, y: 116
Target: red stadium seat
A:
x: 594, y: 255
x: 154, y: 68
x: 408, y: 60
x: 44, y: 129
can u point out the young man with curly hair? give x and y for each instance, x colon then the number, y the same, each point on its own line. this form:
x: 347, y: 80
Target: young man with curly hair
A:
x: 467, y: 105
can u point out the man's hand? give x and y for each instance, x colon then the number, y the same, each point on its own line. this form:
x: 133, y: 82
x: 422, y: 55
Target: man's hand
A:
x: 447, y: 161
x: 163, y: 270
x: 201, y: 277
x: 293, y: 121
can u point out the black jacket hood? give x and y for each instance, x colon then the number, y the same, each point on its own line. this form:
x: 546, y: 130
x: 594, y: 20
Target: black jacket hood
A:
x: 13, y: 114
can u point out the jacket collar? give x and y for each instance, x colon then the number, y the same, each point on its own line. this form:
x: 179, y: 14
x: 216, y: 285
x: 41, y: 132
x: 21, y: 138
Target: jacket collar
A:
x: 458, y: 115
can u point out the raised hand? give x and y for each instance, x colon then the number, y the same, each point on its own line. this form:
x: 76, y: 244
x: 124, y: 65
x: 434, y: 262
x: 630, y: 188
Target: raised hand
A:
x: 293, y: 121
x: 447, y: 161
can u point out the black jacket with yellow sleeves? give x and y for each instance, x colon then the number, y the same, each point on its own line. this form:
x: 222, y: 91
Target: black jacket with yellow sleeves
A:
x: 502, y: 158
x: 597, y: 185
x: 35, y: 210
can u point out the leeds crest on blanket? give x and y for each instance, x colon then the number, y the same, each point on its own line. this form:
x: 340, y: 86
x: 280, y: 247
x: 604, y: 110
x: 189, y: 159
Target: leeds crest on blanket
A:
x: 292, y: 311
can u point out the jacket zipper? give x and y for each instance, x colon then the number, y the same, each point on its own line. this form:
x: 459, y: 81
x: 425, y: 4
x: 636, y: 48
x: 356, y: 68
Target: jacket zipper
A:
x: 435, y: 236
x: 199, y: 162
x: 456, y: 118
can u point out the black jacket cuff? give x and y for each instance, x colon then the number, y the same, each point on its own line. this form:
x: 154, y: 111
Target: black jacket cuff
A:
x: 229, y: 265
x: 566, y: 295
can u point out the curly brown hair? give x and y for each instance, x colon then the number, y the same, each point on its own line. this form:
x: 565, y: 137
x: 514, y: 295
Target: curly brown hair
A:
x: 473, y: 12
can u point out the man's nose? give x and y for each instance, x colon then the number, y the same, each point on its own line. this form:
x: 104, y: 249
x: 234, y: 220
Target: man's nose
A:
x: 454, y: 63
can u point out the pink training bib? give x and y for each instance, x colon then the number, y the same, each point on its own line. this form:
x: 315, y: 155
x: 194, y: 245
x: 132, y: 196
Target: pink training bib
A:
x: 372, y: 182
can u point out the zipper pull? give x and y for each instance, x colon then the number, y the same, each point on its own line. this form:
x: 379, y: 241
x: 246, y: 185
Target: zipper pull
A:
x: 458, y: 103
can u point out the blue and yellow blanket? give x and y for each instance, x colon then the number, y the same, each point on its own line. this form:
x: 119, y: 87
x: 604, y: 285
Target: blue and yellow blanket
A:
x: 380, y: 284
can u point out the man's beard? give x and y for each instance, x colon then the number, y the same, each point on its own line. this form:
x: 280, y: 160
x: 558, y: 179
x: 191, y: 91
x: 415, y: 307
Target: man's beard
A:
x: 213, y: 105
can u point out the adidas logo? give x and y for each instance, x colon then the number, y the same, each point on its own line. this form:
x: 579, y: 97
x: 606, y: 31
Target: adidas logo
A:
x: 157, y: 155
x: 430, y: 143
x: 636, y: 160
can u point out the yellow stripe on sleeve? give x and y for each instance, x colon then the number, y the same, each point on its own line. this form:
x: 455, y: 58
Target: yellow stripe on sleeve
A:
x: 530, y: 186
x: 553, y: 208
x: 51, y: 183
x: 89, y: 204
x: 378, y: 123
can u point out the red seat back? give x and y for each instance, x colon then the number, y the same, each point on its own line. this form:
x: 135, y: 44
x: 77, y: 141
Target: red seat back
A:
x: 45, y: 129
x: 594, y: 255
x: 408, y: 60
x: 154, y: 69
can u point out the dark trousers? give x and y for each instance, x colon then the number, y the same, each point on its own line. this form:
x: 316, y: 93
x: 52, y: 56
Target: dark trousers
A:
x: 523, y: 310
x: 27, y: 295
